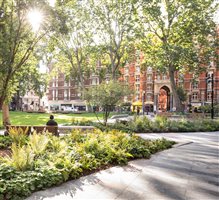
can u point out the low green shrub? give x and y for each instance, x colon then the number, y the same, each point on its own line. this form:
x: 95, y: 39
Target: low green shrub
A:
x: 5, y: 142
x: 38, y: 143
x: 163, y: 124
x: 31, y: 168
x: 207, y: 109
x: 16, y: 185
x: 136, y: 147
x: 18, y: 136
x: 81, y: 122
x: 22, y: 157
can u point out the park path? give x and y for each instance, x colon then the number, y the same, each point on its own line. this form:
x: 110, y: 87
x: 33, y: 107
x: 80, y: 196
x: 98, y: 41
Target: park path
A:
x: 190, y: 170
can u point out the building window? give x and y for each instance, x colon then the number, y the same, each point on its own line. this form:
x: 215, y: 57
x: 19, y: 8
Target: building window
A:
x: 149, y: 97
x: 137, y: 87
x: 149, y: 69
x: 209, y: 85
x: 66, y: 83
x: 126, y: 79
x: 195, y: 85
x: 137, y: 69
x: 95, y: 81
x: 158, y: 77
x: 195, y: 96
x: 164, y: 77
x: 126, y: 70
x: 209, y: 97
x: 149, y: 87
x: 137, y: 98
x: 181, y: 77
x: 53, y: 94
x: 137, y: 78
x: 138, y: 56
x: 149, y: 78
x: 66, y: 94
x: 60, y: 94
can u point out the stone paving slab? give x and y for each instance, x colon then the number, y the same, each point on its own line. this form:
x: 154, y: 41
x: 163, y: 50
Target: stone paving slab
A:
x: 186, y: 172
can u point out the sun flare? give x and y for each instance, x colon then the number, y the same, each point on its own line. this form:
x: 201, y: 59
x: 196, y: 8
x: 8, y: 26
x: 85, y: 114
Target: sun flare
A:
x: 35, y: 17
x: 52, y: 2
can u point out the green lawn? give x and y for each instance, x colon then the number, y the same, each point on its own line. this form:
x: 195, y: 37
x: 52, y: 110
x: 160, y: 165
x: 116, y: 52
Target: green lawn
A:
x: 23, y: 118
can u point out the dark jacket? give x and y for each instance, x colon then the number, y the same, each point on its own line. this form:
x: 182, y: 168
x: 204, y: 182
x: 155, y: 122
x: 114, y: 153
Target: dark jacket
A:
x: 51, y: 122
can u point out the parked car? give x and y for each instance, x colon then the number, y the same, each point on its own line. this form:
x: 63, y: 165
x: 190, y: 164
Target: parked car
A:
x: 69, y: 109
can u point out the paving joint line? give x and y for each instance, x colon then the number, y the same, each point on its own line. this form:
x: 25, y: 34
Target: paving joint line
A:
x: 181, y: 144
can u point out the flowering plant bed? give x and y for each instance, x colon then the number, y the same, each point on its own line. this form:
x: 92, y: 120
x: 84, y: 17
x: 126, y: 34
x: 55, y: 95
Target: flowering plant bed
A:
x: 41, y: 161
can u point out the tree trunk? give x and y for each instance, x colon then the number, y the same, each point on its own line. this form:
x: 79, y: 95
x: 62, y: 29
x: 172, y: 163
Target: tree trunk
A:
x: 105, y: 118
x: 177, y: 102
x: 5, y: 114
x: 112, y: 63
x: 106, y: 115
x: 113, y: 72
x: 1, y: 102
x: 39, y: 103
x: 18, y: 103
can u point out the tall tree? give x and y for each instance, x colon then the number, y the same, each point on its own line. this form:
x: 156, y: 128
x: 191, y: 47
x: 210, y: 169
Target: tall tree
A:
x: 177, y: 35
x: 114, y: 24
x: 17, y: 42
x: 106, y: 96
x: 73, y: 39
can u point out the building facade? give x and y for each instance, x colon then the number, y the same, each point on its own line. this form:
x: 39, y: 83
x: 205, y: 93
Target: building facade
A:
x: 153, y: 89
x: 64, y: 94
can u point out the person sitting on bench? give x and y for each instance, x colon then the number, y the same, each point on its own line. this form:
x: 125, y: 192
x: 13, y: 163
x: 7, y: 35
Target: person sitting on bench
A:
x: 52, y: 122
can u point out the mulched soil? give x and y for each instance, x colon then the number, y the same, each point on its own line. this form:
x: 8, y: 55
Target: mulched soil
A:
x: 5, y: 152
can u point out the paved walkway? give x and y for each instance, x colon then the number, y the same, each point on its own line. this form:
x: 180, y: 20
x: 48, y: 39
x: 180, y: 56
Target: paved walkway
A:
x: 188, y: 171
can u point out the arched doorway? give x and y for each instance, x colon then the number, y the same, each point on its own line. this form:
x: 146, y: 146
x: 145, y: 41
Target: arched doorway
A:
x: 164, y: 99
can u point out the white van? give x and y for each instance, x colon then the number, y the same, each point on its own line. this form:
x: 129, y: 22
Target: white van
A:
x: 69, y: 109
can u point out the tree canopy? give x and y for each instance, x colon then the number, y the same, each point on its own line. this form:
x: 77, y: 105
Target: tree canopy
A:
x: 114, y: 23
x: 106, y: 96
x: 72, y: 39
x: 178, y: 35
x: 17, y: 42
x: 20, y: 33
x: 174, y: 35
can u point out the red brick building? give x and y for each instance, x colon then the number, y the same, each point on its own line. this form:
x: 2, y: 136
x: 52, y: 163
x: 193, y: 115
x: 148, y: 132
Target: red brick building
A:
x: 150, y: 88
x: 154, y: 91
x: 64, y: 94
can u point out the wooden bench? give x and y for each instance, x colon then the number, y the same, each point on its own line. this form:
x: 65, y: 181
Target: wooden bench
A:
x: 68, y: 129
x: 50, y: 129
